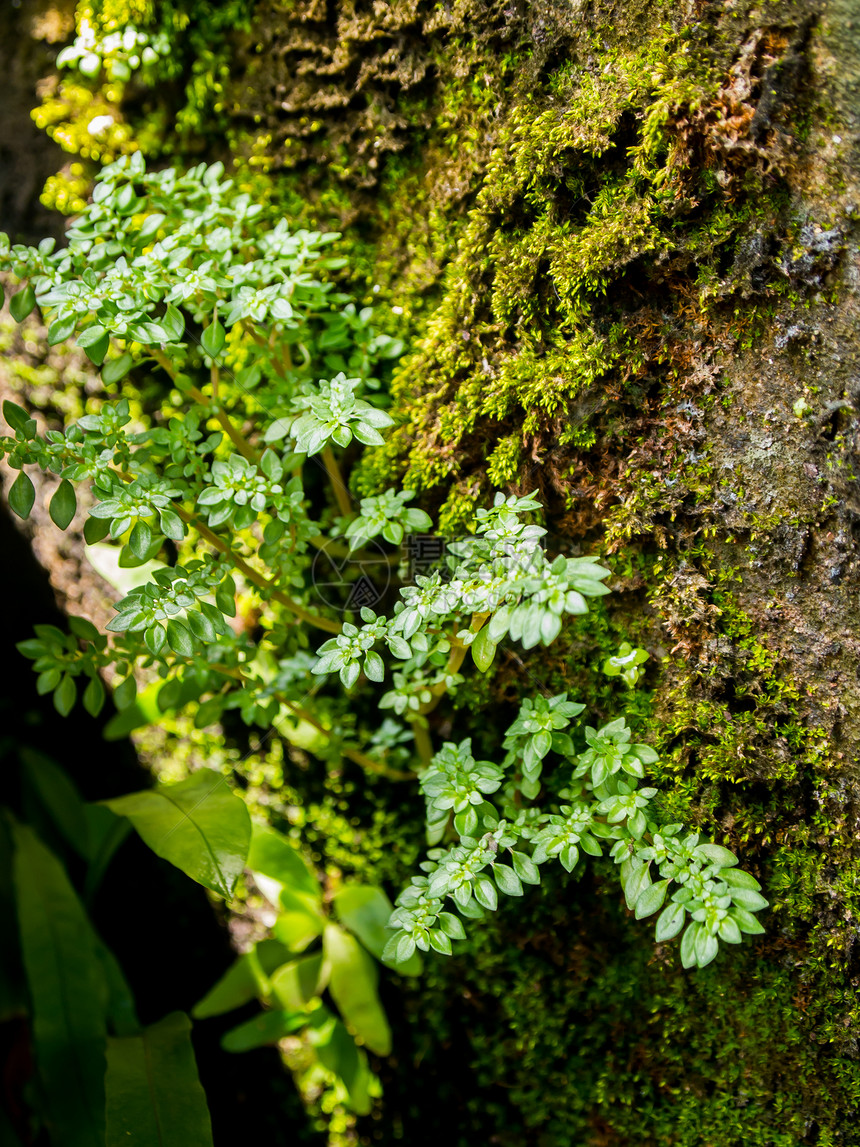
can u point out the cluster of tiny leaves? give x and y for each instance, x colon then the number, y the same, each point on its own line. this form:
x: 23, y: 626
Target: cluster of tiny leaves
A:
x: 178, y: 272
x: 501, y: 574
x: 501, y: 844
x: 217, y: 497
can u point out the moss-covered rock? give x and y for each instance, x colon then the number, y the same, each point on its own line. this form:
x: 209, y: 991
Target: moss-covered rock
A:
x: 623, y: 239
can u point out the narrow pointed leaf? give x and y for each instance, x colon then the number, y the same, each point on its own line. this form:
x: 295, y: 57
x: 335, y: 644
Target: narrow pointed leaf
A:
x: 265, y: 1029
x: 246, y: 979
x: 365, y: 911
x: 275, y: 856
x: 68, y: 1020
x: 153, y: 1094
x: 352, y: 984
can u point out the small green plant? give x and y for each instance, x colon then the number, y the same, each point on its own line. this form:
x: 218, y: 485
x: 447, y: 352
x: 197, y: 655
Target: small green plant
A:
x: 230, y: 491
x: 315, y: 946
x: 606, y: 809
x: 627, y: 664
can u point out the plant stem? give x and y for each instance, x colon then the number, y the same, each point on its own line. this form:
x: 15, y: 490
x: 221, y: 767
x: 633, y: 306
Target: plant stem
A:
x: 344, y: 501
x: 353, y: 754
x: 422, y: 740
x: 236, y: 437
x: 455, y: 659
x: 258, y: 579
x: 340, y: 551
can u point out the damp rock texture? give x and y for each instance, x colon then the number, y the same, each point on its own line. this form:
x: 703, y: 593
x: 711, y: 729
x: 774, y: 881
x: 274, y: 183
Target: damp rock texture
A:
x: 627, y: 237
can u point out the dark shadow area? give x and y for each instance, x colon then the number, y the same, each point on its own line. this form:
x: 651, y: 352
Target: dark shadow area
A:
x: 159, y: 924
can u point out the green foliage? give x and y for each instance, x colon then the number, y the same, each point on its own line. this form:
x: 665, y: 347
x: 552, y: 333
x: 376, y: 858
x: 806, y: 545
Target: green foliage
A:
x: 68, y: 1013
x: 153, y: 1095
x: 289, y: 976
x: 606, y: 809
x: 199, y: 825
x: 626, y: 664
x: 386, y: 514
x: 104, y: 1079
x: 269, y: 377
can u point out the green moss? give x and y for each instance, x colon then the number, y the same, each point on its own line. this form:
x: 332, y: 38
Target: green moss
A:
x: 569, y: 235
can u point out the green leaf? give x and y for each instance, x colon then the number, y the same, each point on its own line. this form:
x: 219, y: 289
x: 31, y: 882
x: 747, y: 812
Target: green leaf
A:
x: 365, y: 911
x: 22, y: 495
x: 59, y: 797
x: 179, y: 639
x: 22, y: 304
x: 153, y: 1094
x: 125, y: 693
x: 669, y: 922
x: 352, y: 983
x: 263, y: 1030
x: 466, y: 822
x: 274, y: 856
x: 729, y: 931
x: 483, y: 649
x: 485, y: 893
x: 120, y: 1010
x: 83, y: 628
x: 106, y: 833
x: 140, y: 540
x: 225, y: 597
x: 737, y: 878
x: 171, y: 525
x: 452, y: 925
x: 95, y: 529
x: 440, y: 942
x: 65, y: 695
x: 716, y: 854
x: 748, y: 898
x: 199, y: 825
x: 635, y: 878
x: 200, y: 625
x: 707, y: 947
x: 299, y: 923
x: 68, y: 1020
x: 746, y: 921
x: 336, y: 1050
x: 688, y: 945
x: 507, y: 880
x: 296, y: 983
x: 213, y: 338
x: 61, y: 329
x: 94, y: 697
x: 116, y: 369
x: 15, y: 415
x: 63, y: 504
x: 526, y: 868
x: 651, y: 899
x: 246, y: 979
x: 94, y: 341
x: 173, y: 322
